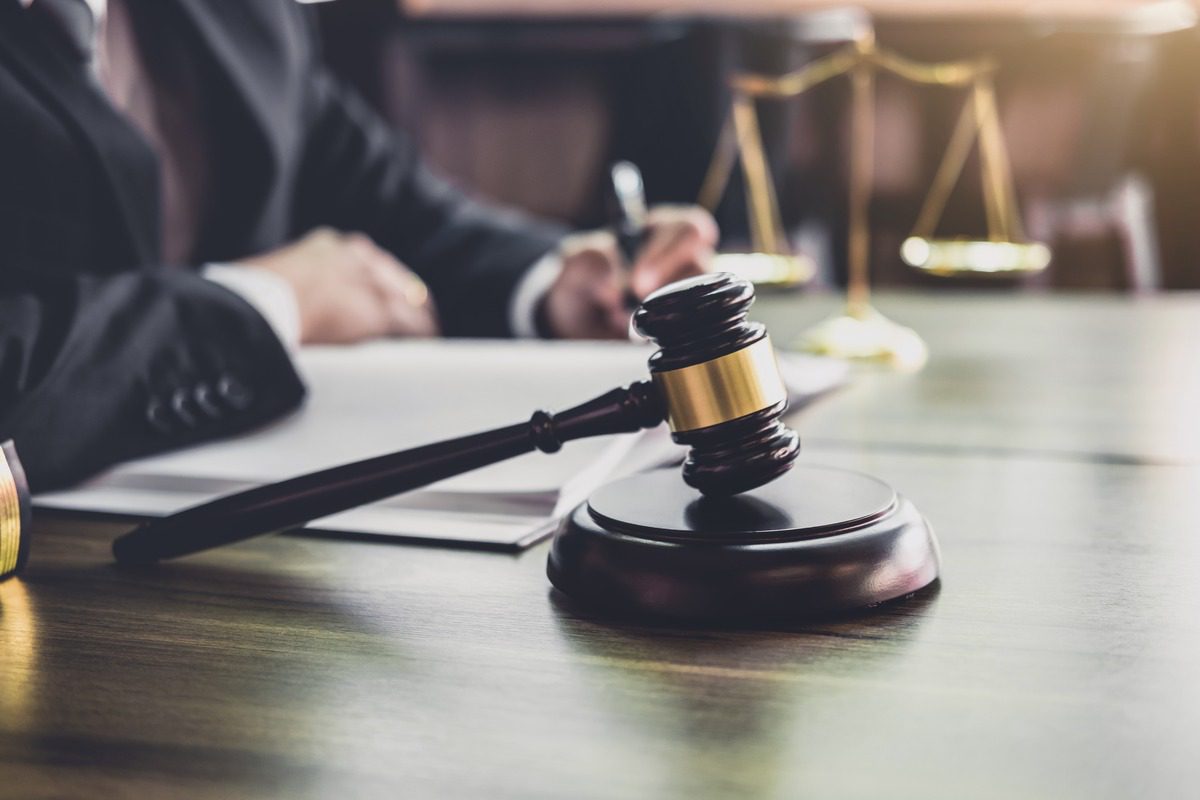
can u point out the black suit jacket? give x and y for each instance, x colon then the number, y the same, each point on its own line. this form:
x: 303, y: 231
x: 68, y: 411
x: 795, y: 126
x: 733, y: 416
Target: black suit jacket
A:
x: 105, y: 352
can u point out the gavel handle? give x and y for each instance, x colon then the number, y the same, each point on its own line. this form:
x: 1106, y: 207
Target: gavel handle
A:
x: 293, y: 502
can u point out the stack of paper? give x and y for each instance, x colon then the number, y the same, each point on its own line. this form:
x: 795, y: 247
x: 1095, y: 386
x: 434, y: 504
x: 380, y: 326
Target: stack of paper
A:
x: 380, y: 397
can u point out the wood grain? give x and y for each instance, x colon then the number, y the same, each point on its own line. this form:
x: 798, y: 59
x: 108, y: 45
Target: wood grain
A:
x: 1058, y: 658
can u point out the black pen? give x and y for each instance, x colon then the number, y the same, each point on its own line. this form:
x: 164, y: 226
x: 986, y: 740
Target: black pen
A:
x: 630, y: 194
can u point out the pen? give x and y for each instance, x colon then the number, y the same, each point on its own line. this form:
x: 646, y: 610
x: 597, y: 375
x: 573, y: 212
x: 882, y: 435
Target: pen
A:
x: 630, y: 193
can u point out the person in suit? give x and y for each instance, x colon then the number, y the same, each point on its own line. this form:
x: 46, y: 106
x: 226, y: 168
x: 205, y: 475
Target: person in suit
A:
x: 187, y: 194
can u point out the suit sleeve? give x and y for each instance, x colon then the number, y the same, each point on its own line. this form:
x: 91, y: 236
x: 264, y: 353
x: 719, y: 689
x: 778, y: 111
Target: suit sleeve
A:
x: 360, y: 174
x: 97, y: 370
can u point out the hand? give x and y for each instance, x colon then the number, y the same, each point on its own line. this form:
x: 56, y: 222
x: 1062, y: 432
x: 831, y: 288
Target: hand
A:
x: 348, y: 289
x: 588, y: 299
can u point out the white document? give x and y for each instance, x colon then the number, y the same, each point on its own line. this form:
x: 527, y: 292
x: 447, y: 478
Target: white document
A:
x: 377, y: 398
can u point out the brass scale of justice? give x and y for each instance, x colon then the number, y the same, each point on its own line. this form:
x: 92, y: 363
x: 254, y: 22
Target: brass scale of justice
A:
x: 861, y: 332
x: 748, y: 534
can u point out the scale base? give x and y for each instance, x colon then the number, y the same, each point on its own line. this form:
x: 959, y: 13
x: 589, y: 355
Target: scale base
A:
x: 817, y: 541
x: 866, y: 335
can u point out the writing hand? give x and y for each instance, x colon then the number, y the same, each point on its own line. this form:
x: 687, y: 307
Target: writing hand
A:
x: 348, y: 289
x: 588, y: 299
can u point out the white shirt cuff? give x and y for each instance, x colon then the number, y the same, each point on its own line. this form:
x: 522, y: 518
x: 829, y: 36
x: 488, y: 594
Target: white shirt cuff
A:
x: 537, y: 280
x: 269, y: 294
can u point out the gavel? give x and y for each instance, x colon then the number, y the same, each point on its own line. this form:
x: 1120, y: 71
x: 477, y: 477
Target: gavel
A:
x: 15, y: 513
x: 714, y: 380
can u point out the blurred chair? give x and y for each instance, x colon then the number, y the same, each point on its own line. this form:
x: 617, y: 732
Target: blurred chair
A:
x: 1115, y: 60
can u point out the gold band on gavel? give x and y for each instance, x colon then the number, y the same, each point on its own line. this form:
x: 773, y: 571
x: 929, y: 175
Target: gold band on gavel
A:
x: 10, y: 518
x: 724, y: 389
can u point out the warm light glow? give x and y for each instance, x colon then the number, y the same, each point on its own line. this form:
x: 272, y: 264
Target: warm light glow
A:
x: 18, y: 649
x: 767, y: 269
x: 867, y: 336
x: 973, y: 256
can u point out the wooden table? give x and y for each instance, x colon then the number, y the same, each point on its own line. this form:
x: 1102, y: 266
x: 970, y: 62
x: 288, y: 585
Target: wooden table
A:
x: 1052, y: 442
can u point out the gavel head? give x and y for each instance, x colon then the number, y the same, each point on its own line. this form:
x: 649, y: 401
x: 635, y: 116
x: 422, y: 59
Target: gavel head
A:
x: 719, y: 382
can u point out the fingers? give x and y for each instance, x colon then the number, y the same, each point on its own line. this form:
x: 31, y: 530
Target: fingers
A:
x: 683, y: 220
x: 405, y: 300
x: 587, y: 300
x: 593, y: 261
x: 410, y: 307
x: 681, y: 244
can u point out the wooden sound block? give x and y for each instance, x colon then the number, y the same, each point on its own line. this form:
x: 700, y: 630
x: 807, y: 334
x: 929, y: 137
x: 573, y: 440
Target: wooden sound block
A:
x: 815, y: 541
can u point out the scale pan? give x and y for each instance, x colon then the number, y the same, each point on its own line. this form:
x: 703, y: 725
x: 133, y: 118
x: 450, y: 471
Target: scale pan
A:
x: 951, y: 257
x: 767, y: 269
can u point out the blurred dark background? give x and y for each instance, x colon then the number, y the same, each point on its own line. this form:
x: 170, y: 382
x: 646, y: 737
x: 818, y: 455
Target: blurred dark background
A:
x: 1101, y: 115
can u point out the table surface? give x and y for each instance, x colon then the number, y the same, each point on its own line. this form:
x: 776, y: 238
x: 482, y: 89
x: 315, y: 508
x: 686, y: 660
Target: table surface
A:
x: 1052, y: 442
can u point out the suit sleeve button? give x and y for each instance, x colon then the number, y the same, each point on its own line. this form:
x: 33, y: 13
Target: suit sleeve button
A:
x: 181, y: 405
x: 234, y: 393
x: 158, y: 417
x: 206, y: 401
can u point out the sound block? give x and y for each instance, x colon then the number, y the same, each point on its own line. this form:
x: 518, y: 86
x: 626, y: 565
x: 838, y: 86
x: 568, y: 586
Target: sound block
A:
x: 816, y: 541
